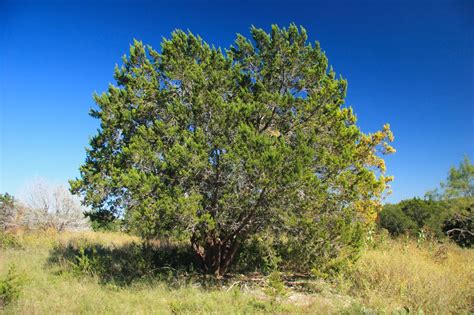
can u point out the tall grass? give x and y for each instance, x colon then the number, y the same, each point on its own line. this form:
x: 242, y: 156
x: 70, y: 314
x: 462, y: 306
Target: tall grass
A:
x: 400, y: 276
x: 404, y: 275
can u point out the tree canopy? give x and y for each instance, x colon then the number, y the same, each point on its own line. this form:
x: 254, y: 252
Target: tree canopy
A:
x: 217, y: 146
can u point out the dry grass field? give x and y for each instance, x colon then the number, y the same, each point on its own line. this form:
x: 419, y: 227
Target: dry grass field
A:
x: 398, y: 276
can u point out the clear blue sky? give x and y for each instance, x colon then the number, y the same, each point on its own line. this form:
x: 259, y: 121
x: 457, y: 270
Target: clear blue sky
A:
x: 409, y: 63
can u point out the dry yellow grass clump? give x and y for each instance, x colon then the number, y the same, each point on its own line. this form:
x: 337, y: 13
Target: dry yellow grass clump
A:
x: 51, y: 237
x: 433, y: 278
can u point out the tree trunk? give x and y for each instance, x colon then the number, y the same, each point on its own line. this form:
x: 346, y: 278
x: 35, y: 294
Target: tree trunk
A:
x: 216, y: 256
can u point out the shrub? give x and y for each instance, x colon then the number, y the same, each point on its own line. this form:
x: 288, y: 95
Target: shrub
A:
x: 275, y: 285
x: 9, y: 240
x: 460, y: 228
x: 10, y: 286
x: 322, y: 249
x: 433, y: 218
x: 259, y: 253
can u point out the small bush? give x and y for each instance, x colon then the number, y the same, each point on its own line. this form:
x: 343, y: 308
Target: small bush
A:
x: 258, y: 254
x: 9, y: 240
x: 377, y: 238
x: 10, y: 286
x: 275, y: 286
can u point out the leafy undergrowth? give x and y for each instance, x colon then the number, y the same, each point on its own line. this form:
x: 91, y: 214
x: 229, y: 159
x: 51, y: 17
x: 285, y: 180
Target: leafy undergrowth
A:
x: 106, y: 273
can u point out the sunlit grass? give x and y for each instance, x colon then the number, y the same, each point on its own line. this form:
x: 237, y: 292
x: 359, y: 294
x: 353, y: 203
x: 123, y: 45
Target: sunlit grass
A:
x: 434, y: 278
x: 399, y: 276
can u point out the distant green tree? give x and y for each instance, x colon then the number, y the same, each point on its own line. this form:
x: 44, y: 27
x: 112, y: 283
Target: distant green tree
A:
x: 422, y: 211
x: 411, y: 215
x: 458, y: 196
x: 460, y: 181
x: 393, y: 219
x: 459, y: 184
x: 218, y: 147
x: 445, y: 211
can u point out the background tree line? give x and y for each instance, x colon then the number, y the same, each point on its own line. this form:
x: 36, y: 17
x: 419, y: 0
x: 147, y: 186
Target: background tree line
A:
x: 447, y: 211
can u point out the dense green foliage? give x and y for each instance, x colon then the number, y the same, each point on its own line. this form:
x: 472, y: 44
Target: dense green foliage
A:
x: 396, y: 221
x: 103, y: 220
x: 411, y: 215
x: 224, y: 148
